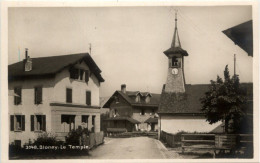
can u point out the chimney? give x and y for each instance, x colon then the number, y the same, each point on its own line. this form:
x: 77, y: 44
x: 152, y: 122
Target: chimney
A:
x: 26, y: 53
x: 123, y: 88
x: 27, y: 62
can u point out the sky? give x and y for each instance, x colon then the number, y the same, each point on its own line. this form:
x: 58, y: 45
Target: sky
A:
x: 128, y: 42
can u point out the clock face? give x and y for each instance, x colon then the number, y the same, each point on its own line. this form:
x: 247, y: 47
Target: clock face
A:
x: 175, y: 71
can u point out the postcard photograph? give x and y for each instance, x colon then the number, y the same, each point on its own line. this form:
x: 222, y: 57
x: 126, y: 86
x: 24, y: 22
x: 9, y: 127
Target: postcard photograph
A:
x: 131, y: 82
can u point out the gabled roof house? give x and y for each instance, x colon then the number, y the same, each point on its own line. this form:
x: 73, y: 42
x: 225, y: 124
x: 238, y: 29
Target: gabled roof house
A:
x: 130, y: 109
x: 53, y: 94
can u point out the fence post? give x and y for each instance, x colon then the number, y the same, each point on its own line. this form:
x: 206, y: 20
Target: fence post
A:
x: 182, y: 144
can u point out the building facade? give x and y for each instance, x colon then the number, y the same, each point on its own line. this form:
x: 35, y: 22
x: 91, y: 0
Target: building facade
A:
x: 54, y: 95
x: 131, y: 109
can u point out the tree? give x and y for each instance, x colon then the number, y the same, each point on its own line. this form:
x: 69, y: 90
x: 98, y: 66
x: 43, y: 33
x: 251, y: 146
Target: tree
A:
x: 224, y: 101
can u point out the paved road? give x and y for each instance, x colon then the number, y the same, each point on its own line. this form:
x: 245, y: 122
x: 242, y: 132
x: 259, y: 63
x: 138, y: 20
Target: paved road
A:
x: 132, y: 148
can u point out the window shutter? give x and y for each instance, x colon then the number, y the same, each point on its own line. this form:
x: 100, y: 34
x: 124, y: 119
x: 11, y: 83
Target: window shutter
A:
x: 12, y: 122
x: 32, y: 122
x: 18, y: 100
x: 88, y: 98
x: 76, y: 73
x: 69, y: 95
x: 71, y: 72
x: 86, y: 76
x: 23, y: 122
x: 39, y: 95
x: 44, y: 122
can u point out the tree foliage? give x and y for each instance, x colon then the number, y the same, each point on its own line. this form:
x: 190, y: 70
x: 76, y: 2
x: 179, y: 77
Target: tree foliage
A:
x: 224, y: 101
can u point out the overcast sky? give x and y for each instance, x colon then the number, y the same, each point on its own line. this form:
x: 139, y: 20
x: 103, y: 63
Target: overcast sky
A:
x: 128, y: 42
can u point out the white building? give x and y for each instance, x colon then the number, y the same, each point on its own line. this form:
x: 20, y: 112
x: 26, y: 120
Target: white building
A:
x: 53, y: 94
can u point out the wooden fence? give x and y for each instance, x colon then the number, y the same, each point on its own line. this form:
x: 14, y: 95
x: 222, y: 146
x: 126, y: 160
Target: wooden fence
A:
x: 168, y: 138
x: 217, y: 142
x: 198, y: 141
x: 94, y: 139
x: 210, y: 142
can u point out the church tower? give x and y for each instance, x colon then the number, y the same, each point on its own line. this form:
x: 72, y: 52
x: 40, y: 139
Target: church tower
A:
x: 175, y: 78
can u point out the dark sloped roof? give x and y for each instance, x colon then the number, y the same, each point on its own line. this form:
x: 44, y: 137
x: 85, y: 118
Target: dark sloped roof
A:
x: 176, y: 50
x: 151, y: 120
x: 242, y: 35
x: 123, y: 119
x: 129, y: 96
x: 51, y: 65
x: 189, y: 102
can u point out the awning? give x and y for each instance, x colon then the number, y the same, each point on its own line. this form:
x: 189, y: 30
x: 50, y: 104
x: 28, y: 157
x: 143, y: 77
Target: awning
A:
x: 131, y: 120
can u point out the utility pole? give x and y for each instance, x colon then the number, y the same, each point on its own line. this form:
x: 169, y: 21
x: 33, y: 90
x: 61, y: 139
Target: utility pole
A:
x: 90, y: 49
x: 234, y: 64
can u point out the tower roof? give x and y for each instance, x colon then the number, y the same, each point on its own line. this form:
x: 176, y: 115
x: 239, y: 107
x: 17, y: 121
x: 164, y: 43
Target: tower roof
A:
x: 176, y: 44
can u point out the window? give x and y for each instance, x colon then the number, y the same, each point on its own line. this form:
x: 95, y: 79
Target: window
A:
x: 81, y: 73
x: 78, y: 74
x: 84, y: 121
x: 38, y: 122
x: 142, y: 112
x: 175, y: 62
x: 147, y: 99
x: 38, y: 95
x: 74, y: 73
x: 17, y: 122
x: 137, y: 99
x: 84, y: 118
x: 86, y: 76
x: 93, y: 123
x: 18, y: 96
x: 67, y: 123
x: 88, y: 97
x: 116, y: 99
x: 69, y: 95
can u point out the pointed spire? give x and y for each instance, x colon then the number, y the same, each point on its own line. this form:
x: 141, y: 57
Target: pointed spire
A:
x: 176, y: 40
x: 176, y: 44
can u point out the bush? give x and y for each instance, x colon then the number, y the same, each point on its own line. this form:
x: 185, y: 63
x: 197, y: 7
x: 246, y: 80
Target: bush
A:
x: 14, y: 149
x: 74, y: 136
x: 46, y: 139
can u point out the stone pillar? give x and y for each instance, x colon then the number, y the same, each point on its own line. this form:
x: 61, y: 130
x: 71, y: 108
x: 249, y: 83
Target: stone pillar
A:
x: 89, y: 122
x: 77, y: 121
x: 97, y: 123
